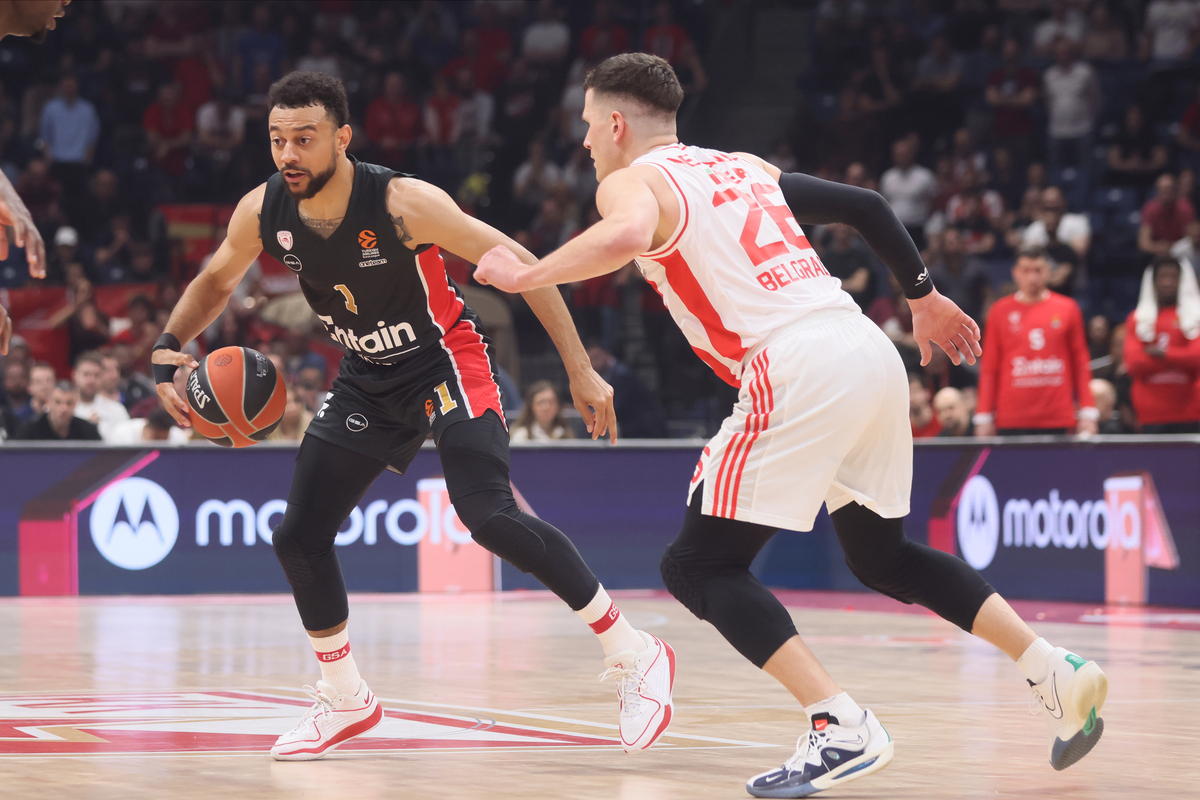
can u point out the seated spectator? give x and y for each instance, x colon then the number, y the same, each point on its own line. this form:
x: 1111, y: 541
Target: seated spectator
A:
x: 667, y: 40
x: 541, y: 419
x: 66, y: 247
x: 260, y: 46
x: 310, y: 388
x: 168, y: 125
x: 639, y: 414
x: 550, y: 229
x: 299, y: 356
x: 1170, y: 30
x: 133, y: 386
x: 220, y: 129
x: 1099, y: 336
x: 536, y: 178
x: 973, y: 221
x: 1012, y: 90
x: 140, y: 334
x: 294, y: 421
x: 110, y: 379
x: 1106, y: 403
x: 961, y: 276
x: 442, y: 130
x: 1136, y: 155
x: 487, y: 69
x: 394, y: 124
x: 320, y: 59
x: 60, y: 422
x: 1105, y: 40
x: 157, y: 426
x: 604, y: 37
x: 1065, y: 237
x: 546, y: 42
x: 41, y: 385
x: 92, y: 405
x: 968, y: 161
x: 935, y: 90
x: 103, y: 202
x: 848, y: 259
x: 41, y: 193
x: 1165, y: 218
x: 1006, y: 179
x: 1065, y: 22
x: 952, y: 412
x: 1035, y: 367
x: 1163, y: 355
x: 920, y: 413
x: 19, y: 402
x: 909, y: 188
x: 882, y: 92
x: 853, y: 135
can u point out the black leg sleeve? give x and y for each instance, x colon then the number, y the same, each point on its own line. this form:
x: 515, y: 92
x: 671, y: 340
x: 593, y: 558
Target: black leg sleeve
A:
x: 884, y: 559
x: 707, y: 568
x: 327, y: 485
x: 474, y: 456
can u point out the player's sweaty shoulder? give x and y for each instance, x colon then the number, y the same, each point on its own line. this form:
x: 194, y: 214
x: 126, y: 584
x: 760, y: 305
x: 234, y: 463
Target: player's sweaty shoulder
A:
x: 244, y: 227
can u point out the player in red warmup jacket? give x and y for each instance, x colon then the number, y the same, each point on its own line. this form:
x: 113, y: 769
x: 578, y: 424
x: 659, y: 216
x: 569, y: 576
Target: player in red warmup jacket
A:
x: 1162, y: 353
x: 1034, y: 368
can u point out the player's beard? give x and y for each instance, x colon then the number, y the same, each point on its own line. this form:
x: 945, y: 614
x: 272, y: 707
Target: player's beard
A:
x: 315, y: 182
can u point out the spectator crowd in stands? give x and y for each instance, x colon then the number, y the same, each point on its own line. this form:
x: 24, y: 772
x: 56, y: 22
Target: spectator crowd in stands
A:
x: 1002, y: 132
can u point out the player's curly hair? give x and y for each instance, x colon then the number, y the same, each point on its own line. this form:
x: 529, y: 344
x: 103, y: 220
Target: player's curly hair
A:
x: 641, y: 77
x: 304, y: 89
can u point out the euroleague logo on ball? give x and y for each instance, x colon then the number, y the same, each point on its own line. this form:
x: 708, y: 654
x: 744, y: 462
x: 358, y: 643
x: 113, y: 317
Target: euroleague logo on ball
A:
x: 223, y: 360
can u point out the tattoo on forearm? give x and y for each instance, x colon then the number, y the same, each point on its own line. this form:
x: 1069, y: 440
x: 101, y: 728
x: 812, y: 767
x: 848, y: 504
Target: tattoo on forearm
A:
x: 322, y: 227
x: 401, y: 231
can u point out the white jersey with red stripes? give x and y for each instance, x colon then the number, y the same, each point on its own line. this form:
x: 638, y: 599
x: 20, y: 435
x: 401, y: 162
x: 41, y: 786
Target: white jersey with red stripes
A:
x: 737, y: 266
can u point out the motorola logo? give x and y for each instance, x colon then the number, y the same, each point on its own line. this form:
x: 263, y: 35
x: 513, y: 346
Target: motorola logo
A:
x: 978, y: 522
x: 134, y: 523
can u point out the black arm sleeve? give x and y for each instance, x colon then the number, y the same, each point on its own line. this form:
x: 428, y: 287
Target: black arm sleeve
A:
x: 817, y: 202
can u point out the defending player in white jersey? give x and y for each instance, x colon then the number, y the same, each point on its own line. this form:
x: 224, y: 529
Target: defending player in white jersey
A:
x: 821, y: 417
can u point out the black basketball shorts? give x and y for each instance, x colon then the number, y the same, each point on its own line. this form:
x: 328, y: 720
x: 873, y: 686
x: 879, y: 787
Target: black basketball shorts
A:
x: 387, y: 411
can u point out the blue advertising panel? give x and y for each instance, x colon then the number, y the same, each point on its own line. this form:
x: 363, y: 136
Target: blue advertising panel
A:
x: 1034, y: 518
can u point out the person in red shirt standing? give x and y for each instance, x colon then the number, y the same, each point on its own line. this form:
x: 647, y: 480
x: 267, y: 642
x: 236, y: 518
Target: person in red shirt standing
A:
x: 394, y: 124
x: 1163, y: 355
x: 1165, y: 218
x: 1035, y: 360
x: 604, y: 37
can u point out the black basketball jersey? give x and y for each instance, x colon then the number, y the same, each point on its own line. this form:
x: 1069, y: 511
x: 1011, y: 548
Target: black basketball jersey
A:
x: 382, y: 301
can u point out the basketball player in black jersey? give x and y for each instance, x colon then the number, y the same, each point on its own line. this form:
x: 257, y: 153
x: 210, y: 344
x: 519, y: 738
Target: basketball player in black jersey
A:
x: 365, y: 243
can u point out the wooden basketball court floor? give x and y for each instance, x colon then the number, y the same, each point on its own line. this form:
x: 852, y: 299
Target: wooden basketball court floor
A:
x: 496, y: 696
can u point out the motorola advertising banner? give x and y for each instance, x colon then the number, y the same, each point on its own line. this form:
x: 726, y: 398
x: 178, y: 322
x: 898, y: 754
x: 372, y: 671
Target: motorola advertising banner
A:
x: 1082, y: 522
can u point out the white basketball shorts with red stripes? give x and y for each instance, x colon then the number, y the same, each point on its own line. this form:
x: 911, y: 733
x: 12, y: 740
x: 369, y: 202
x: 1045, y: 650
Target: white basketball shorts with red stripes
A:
x: 822, y: 418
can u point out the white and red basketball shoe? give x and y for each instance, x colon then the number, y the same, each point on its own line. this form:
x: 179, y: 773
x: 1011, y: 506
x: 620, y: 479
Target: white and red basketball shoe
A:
x: 332, y: 721
x: 644, y: 684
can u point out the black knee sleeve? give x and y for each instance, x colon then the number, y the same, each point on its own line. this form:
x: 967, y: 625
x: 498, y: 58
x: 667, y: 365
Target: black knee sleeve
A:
x: 303, y: 543
x: 884, y: 559
x: 707, y: 569
x: 475, y: 459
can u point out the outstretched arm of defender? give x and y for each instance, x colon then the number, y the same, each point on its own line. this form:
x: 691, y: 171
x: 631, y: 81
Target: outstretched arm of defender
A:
x: 205, y: 299
x: 630, y: 211
x: 427, y: 214
x: 936, y: 318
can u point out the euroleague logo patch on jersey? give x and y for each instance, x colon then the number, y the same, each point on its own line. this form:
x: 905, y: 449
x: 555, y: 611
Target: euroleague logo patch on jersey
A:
x: 291, y: 262
x: 370, y: 253
x: 285, y: 239
x: 356, y: 422
x: 366, y: 239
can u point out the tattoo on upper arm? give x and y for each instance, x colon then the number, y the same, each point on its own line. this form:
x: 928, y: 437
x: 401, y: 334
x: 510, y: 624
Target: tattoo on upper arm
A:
x: 401, y: 231
x: 258, y: 230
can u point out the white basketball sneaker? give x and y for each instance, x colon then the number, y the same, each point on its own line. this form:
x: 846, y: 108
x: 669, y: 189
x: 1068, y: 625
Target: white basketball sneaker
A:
x: 828, y: 755
x: 644, y: 684
x: 1071, y: 696
x: 333, y: 720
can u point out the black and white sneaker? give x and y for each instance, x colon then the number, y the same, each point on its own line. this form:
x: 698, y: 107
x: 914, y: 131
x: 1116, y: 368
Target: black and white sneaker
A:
x: 829, y: 754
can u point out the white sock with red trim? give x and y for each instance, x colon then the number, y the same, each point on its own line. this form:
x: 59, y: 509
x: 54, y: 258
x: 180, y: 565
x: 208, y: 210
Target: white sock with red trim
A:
x: 337, y: 664
x: 846, y: 711
x: 606, y: 621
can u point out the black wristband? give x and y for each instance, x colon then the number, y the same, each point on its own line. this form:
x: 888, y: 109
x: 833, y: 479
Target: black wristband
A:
x: 165, y: 373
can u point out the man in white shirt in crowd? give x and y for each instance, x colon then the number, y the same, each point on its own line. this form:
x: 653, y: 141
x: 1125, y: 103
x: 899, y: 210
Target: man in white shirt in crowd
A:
x: 909, y: 189
x: 1073, y: 101
x: 94, y: 406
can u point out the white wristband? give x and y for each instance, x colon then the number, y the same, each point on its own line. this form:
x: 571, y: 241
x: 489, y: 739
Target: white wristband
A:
x: 983, y: 419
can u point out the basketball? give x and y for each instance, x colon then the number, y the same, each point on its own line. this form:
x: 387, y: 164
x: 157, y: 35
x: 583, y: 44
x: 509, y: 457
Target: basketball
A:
x: 237, y: 397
